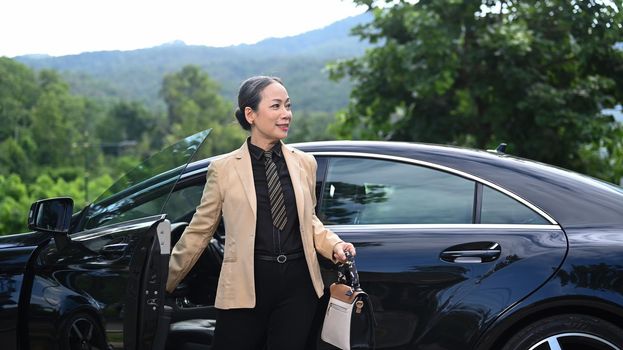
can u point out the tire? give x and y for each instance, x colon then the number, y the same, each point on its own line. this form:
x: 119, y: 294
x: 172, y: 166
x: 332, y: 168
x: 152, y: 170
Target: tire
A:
x: 82, y: 332
x: 568, y: 332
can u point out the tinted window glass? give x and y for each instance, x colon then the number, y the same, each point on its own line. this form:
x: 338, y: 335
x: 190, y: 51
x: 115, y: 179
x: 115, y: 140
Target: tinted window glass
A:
x: 143, y: 190
x: 370, y: 191
x: 180, y: 203
x: 184, y: 201
x: 498, y: 208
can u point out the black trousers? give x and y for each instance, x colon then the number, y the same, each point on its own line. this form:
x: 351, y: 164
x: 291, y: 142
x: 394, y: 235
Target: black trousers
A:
x: 282, y: 318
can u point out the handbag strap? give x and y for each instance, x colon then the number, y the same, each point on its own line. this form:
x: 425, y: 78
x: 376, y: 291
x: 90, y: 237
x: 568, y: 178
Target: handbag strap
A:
x: 347, y: 273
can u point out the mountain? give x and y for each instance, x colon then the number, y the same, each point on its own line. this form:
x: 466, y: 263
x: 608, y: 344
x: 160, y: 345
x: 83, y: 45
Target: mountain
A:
x: 137, y: 75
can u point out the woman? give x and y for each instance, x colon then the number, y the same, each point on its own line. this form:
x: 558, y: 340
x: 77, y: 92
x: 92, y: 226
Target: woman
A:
x: 270, y: 280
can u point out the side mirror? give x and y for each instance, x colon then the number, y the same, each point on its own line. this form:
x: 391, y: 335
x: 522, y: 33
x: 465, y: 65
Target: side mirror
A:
x: 51, y: 215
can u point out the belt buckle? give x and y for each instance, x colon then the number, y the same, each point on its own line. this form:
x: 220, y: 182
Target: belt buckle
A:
x: 281, y: 258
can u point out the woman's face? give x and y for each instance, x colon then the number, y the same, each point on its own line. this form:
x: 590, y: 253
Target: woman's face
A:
x: 271, y: 121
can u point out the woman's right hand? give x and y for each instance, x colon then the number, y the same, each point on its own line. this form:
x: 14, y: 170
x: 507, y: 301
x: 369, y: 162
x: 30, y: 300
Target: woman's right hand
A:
x: 339, y: 251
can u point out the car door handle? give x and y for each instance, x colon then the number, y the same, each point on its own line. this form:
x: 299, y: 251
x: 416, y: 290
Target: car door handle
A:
x: 474, y: 252
x: 114, y: 249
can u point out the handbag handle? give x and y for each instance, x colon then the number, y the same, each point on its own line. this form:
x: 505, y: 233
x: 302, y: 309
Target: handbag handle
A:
x: 347, y: 272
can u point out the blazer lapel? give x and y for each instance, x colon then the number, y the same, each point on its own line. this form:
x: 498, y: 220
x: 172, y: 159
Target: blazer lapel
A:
x: 245, y: 173
x: 294, y: 168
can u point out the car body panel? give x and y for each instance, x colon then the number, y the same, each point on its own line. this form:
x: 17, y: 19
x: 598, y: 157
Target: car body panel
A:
x: 14, y: 262
x: 15, y: 253
x: 455, y: 298
x: 590, y: 281
x: 86, y: 278
x: 421, y: 300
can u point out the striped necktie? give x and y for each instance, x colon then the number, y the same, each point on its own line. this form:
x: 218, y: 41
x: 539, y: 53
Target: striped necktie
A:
x: 275, y: 192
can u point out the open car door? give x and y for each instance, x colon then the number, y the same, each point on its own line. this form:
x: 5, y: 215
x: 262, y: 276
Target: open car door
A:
x: 104, y: 289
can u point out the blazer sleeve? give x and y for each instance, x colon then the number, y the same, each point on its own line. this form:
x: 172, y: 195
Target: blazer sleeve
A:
x: 199, y: 231
x: 324, y: 239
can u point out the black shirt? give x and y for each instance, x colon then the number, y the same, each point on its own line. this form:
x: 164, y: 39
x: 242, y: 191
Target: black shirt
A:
x: 268, y: 239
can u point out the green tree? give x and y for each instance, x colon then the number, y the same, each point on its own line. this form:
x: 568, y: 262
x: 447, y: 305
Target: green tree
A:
x: 14, y: 158
x: 311, y: 126
x: 194, y: 104
x: 126, y: 121
x: 17, y: 196
x: 14, y: 204
x: 18, y: 95
x: 130, y: 130
x: 43, y: 120
x: 60, y: 123
x: 534, y: 74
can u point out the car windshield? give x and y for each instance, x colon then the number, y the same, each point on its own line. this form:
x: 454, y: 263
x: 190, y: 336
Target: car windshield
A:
x: 155, y: 177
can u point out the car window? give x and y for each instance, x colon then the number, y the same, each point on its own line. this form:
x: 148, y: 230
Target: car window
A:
x: 143, y: 191
x: 181, y: 202
x: 372, y: 191
x: 184, y: 201
x: 498, y: 208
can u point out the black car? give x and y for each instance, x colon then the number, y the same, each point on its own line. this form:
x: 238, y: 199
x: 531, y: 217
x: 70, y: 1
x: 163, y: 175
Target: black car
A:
x: 457, y: 248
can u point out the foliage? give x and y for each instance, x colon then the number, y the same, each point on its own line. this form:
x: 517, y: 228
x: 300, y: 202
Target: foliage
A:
x: 43, y: 123
x: 18, y: 95
x: 17, y: 196
x: 127, y: 121
x: 57, y: 121
x: 533, y: 74
x: 14, y: 204
x: 194, y: 104
x: 311, y: 126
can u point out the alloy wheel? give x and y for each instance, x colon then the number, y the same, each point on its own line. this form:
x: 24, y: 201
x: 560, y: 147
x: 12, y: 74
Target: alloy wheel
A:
x: 82, y: 335
x: 574, y: 341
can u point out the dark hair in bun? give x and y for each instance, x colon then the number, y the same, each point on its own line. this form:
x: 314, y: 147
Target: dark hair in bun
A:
x: 249, y: 95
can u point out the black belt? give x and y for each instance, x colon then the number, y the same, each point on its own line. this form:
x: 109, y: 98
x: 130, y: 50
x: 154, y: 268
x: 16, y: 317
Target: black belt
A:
x: 281, y: 258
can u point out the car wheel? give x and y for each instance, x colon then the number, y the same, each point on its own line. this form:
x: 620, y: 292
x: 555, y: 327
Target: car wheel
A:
x: 568, y: 332
x: 82, y: 332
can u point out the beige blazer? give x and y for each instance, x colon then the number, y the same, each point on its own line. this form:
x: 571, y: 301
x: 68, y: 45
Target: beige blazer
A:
x: 230, y: 192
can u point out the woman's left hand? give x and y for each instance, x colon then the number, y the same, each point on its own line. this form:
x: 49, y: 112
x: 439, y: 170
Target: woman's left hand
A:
x: 340, y: 248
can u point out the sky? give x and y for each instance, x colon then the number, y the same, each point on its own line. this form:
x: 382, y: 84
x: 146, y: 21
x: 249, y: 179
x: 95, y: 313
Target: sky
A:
x: 64, y: 27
